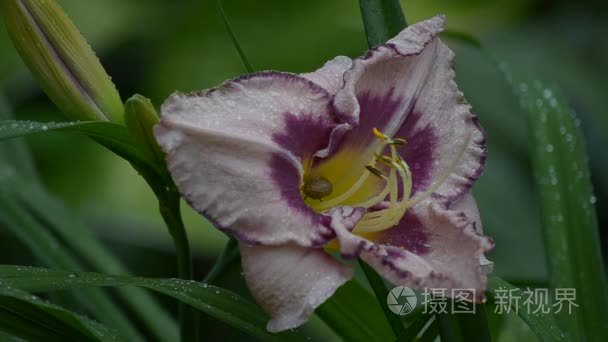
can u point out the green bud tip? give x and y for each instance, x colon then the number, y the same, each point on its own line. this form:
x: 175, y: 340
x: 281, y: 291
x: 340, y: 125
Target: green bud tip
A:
x: 61, y: 60
x: 140, y: 118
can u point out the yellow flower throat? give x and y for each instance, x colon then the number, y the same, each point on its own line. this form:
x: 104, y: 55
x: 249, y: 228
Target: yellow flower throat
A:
x: 389, y: 168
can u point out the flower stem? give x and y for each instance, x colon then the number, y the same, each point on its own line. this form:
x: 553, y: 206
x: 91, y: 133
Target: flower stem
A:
x: 229, y: 255
x: 169, y: 205
x: 381, y: 293
x: 382, y: 19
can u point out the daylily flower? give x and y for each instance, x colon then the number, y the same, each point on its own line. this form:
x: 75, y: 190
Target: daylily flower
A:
x: 373, y: 157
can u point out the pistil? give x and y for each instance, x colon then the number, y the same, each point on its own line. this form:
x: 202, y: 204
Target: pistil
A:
x: 398, y: 181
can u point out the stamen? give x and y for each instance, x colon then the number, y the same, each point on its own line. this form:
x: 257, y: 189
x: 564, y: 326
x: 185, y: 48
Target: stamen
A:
x: 375, y: 171
x: 386, y: 218
x: 360, y: 182
x: 397, y: 205
x: 379, y: 134
x: 385, y: 159
x: 399, y: 141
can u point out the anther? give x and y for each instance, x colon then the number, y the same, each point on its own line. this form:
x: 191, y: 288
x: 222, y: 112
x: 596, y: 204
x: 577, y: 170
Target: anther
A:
x: 375, y: 171
x: 385, y: 159
x: 398, y: 142
x: 379, y: 134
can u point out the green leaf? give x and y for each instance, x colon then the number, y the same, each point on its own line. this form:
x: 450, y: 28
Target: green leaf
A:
x: 28, y: 317
x: 569, y: 222
x: 113, y: 136
x: 47, y: 248
x: 355, y: 315
x: 17, y: 128
x: 54, y: 218
x: 460, y: 327
x: 215, y: 301
x: 235, y: 41
x: 463, y: 37
x: 53, y: 214
x: 381, y: 292
x: 382, y: 19
x: 414, y: 328
x: 14, y: 154
x: 543, y: 325
x: 572, y: 242
x: 431, y: 333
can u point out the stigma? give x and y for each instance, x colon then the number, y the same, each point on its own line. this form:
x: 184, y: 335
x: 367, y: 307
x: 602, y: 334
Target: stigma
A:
x: 317, y: 188
x: 386, y: 207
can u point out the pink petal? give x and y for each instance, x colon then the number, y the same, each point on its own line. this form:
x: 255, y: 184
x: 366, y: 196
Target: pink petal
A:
x: 467, y: 205
x: 432, y: 247
x: 331, y: 75
x: 237, y: 153
x: 406, y: 88
x: 289, y: 282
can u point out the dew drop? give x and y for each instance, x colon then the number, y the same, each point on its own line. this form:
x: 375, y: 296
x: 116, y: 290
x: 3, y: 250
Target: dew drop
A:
x: 553, y: 103
x: 523, y: 87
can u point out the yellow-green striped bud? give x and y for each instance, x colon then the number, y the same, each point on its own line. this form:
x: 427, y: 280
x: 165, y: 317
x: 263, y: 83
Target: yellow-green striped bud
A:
x: 61, y: 60
x: 140, y: 118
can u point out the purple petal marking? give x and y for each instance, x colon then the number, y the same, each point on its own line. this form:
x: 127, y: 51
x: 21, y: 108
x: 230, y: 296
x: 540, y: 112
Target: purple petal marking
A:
x: 287, y: 178
x: 408, y: 233
x: 304, y: 134
x: 418, y: 152
x: 375, y: 112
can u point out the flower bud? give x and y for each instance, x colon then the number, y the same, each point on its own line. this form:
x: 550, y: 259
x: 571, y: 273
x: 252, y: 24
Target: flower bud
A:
x: 61, y: 60
x: 140, y: 118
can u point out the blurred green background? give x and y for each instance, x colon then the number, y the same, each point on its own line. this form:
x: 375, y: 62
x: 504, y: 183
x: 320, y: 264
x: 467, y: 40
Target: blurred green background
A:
x: 155, y: 47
